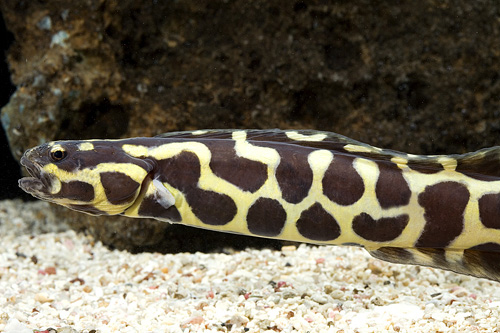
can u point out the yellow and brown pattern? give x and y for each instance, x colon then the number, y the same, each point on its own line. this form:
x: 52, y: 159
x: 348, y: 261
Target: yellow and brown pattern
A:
x: 300, y: 185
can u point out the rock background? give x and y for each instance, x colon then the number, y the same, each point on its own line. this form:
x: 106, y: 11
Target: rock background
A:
x: 422, y: 77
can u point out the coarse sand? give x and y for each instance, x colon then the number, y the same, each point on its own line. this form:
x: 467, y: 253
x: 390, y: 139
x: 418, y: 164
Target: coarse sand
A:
x: 52, y: 277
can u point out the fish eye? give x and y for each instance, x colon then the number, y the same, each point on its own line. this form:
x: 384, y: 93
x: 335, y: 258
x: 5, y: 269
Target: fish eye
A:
x: 58, y: 154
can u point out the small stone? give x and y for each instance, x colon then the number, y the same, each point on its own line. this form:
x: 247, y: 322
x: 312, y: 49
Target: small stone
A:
x: 459, y: 291
x: 42, y: 298
x: 45, y: 23
x: 377, y: 301
x: 59, y: 39
x: 65, y: 14
x: 375, y: 267
x: 51, y: 270
x: 319, y: 298
x: 337, y: 294
x: 288, y: 248
x: 14, y: 326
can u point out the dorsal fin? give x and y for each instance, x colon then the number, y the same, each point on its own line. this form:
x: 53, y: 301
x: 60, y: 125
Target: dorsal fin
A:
x: 301, y: 137
x: 306, y: 138
x: 483, y: 164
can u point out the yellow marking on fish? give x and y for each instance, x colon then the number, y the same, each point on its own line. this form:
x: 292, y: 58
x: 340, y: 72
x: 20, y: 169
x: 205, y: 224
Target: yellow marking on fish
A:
x: 360, y: 149
x: 448, y: 163
x: 401, y: 162
x: 84, y: 146
x: 301, y: 137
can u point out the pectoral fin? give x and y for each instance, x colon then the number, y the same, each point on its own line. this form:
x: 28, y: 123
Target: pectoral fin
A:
x: 162, y: 195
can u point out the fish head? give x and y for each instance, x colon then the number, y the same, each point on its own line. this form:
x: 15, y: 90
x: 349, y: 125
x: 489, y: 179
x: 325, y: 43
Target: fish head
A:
x: 93, y: 176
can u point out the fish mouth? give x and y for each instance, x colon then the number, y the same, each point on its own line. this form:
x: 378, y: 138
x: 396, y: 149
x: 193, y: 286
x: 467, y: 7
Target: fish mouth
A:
x: 40, y: 182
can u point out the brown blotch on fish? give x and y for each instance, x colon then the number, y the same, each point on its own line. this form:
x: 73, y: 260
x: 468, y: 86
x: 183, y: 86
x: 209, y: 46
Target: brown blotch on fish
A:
x: 151, y: 208
x: 211, y: 207
x: 246, y: 174
x: 76, y: 190
x: 487, y: 247
x: 118, y: 187
x: 266, y: 217
x: 444, y: 204
x: 391, y: 189
x: 294, y: 175
x: 315, y: 223
x: 381, y: 230
x: 341, y: 183
x: 489, y: 210
x: 183, y: 172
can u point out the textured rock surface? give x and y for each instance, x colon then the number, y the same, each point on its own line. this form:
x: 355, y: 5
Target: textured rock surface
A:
x: 419, y: 77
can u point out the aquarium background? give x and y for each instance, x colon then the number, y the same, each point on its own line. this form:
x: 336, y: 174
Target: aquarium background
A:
x: 420, y: 77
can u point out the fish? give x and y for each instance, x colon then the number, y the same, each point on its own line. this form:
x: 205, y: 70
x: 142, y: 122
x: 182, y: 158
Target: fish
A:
x: 315, y: 187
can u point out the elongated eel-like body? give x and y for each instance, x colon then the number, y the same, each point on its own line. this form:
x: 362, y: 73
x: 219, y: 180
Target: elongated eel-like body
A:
x: 305, y: 186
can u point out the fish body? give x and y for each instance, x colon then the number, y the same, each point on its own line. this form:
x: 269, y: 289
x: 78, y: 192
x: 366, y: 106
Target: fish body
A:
x: 307, y: 186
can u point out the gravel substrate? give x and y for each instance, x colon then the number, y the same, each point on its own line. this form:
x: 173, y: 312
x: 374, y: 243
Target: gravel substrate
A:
x: 52, y: 277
